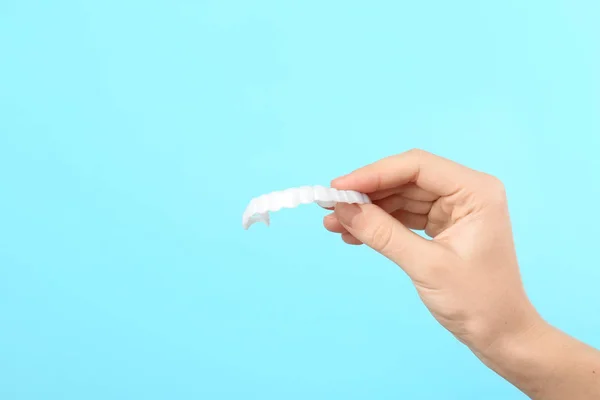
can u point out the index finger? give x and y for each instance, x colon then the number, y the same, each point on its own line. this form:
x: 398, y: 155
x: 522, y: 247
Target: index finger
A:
x: 433, y: 173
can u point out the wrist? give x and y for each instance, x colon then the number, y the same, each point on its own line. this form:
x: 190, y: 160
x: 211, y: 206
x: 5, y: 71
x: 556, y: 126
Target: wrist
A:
x: 524, y: 358
x: 512, y: 344
x: 506, y: 334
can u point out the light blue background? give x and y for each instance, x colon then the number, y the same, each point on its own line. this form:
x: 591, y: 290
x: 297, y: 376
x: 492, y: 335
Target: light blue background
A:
x: 133, y: 134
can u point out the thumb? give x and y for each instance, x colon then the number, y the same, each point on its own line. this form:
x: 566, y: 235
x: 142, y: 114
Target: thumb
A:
x: 385, y: 234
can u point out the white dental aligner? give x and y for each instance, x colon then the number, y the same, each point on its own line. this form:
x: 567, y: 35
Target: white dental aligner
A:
x: 259, y: 207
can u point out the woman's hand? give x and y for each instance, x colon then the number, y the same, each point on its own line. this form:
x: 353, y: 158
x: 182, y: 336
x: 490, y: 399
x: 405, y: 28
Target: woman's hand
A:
x: 467, y: 276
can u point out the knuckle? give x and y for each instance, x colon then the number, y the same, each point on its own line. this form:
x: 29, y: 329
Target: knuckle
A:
x: 381, y: 237
x: 494, y: 189
x: 417, y: 153
x: 416, y: 150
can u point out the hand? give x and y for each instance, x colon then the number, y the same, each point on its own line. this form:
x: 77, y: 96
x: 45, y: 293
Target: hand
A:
x: 467, y: 276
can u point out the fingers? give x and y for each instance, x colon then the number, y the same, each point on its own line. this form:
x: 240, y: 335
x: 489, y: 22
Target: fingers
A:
x: 430, y: 172
x: 410, y: 191
x: 409, y: 219
x: 374, y: 227
x: 331, y: 223
x: 348, y: 238
x: 399, y: 202
x: 411, y: 213
x: 417, y: 222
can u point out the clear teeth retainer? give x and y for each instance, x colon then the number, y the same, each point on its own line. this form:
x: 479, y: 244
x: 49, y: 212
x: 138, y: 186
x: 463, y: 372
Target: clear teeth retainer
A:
x: 259, y: 207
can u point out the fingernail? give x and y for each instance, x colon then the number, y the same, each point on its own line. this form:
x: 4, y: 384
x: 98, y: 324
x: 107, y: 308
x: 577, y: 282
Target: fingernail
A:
x: 346, y: 212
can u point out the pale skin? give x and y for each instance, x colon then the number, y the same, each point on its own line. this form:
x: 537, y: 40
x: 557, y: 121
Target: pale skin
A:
x: 467, y: 274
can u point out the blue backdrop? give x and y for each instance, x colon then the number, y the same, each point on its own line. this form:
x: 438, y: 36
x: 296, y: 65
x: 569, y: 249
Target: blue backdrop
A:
x: 133, y: 134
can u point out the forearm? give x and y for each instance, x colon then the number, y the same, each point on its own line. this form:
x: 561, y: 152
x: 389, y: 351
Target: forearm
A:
x: 547, y: 364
